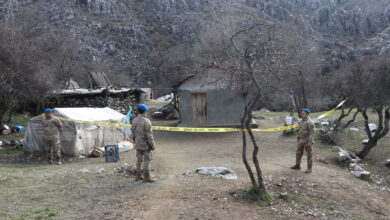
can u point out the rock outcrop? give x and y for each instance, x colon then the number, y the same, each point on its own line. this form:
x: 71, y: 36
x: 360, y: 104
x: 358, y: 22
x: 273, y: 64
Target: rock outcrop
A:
x: 129, y: 33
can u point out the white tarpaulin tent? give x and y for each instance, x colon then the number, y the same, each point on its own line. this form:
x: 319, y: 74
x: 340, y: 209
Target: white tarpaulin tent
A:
x: 77, y: 138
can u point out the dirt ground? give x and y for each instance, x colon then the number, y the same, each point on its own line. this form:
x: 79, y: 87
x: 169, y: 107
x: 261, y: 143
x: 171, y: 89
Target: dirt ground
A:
x: 41, y: 191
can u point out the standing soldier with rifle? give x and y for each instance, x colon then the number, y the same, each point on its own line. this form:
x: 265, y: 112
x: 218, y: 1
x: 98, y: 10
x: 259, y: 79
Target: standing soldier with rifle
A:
x: 305, y: 141
x: 291, y: 103
x: 51, y: 131
x: 144, y: 143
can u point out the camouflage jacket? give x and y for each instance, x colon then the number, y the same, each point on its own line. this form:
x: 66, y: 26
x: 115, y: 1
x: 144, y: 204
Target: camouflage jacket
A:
x: 142, y: 133
x: 291, y: 102
x: 306, y: 131
x: 51, y: 128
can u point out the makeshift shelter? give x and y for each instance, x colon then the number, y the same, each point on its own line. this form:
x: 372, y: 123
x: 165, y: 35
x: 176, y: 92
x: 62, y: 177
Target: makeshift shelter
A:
x: 78, y: 138
x: 210, y: 99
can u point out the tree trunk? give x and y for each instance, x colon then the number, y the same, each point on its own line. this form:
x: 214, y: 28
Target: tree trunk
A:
x: 244, y: 147
x: 367, y: 148
x: 299, y: 107
x: 260, y: 180
x: 302, y: 79
x: 11, y: 110
x: 3, y: 110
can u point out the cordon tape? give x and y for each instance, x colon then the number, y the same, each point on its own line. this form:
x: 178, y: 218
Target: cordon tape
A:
x: 198, y: 130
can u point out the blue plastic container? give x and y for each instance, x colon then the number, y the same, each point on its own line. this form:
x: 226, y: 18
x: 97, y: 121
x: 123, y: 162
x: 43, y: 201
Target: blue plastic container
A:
x: 19, y: 128
x: 112, y: 153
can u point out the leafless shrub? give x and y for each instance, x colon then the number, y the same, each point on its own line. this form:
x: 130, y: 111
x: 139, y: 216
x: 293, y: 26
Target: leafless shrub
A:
x: 34, y: 59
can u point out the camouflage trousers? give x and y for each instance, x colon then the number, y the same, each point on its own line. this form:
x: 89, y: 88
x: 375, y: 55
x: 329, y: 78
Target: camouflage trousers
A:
x: 54, y: 149
x: 300, y: 149
x: 146, y: 157
x: 291, y: 112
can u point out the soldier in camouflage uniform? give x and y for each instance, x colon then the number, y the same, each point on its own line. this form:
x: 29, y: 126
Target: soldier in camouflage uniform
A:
x: 291, y: 103
x: 51, y: 127
x: 305, y: 141
x: 144, y: 143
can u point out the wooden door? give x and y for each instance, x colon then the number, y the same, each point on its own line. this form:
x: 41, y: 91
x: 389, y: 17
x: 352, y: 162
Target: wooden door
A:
x: 198, y: 102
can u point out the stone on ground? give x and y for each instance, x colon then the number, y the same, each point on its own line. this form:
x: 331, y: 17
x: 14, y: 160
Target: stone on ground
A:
x: 354, y: 129
x: 364, y: 175
x: 388, y: 162
x: 372, y: 127
x: 84, y: 170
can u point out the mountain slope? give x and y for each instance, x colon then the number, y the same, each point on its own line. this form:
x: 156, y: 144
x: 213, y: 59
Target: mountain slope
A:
x: 124, y: 35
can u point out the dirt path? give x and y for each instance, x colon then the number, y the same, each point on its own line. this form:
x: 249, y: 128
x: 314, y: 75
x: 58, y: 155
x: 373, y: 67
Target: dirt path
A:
x: 177, y: 196
x: 330, y: 192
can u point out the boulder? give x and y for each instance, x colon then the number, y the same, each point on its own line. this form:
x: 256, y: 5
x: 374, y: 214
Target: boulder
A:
x: 264, y: 110
x: 372, y: 127
x: 388, y: 162
x: 358, y: 168
x: 99, y: 170
x: 365, y: 141
x: 344, y: 155
x: 257, y: 116
x: 6, y: 143
x: 353, y: 129
x: 84, y: 170
x: 325, y: 123
x: 315, y: 121
x: 284, y: 196
x: 126, y: 168
x: 364, y: 175
x: 356, y: 160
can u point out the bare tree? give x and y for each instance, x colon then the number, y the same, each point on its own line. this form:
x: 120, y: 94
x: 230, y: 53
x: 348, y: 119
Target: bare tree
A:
x: 332, y: 134
x: 304, y: 62
x: 33, y: 59
x: 366, y: 84
x: 253, y: 51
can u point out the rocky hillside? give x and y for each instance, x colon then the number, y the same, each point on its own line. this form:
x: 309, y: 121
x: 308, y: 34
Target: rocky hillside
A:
x: 126, y: 34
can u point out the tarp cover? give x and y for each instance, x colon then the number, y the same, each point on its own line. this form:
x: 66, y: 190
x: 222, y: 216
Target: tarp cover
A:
x: 220, y: 172
x: 77, y: 138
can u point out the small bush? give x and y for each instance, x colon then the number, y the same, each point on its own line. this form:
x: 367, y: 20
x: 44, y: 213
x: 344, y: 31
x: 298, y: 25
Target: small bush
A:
x: 263, y: 199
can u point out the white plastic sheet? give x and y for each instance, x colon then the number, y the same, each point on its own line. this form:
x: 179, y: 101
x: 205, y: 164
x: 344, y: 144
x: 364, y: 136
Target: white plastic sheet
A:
x: 220, y: 172
x: 288, y: 120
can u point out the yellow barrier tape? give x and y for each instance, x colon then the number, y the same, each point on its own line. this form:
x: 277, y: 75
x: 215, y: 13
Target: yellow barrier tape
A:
x: 278, y: 129
x: 197, y: 130
x: 331, y: 111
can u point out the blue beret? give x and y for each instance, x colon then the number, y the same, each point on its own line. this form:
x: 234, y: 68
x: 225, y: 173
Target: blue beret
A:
x: 306, y: 110
x: 48, y: 110
x: 143, y: 107
x: 291, y: 92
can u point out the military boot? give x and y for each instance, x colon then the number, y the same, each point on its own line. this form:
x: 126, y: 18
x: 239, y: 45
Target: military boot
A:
x: 149, y: 179
x: 296, y: 167
x: 308, y: 170
x: 138, y: 176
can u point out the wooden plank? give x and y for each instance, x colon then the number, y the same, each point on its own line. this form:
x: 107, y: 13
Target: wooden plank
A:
x: 97, y: 152
x: 198, y: 102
